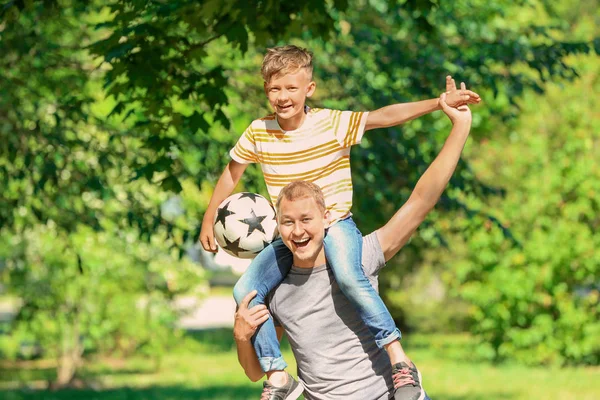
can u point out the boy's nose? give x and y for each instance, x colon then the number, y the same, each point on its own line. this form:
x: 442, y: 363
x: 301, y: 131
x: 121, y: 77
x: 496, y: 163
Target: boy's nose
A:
x: 283, y: 95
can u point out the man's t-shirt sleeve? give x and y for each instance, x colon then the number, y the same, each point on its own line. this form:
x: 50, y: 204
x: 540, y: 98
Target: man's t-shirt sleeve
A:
x: 245, y: 151
x: 349, y: 126
x: 372, y: 255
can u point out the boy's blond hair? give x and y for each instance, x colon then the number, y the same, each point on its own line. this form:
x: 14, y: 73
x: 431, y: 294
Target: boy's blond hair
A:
x: 300, y: 190
x: 284, y: 60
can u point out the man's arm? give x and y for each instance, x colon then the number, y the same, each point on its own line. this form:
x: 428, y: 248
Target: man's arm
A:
x: 227, y: 182
x: 394, y: 235
x: 245, y: 324
x: 400, y: 113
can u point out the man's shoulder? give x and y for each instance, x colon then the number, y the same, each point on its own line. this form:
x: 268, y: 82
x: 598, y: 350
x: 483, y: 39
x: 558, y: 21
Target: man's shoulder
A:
x: 373, y: 258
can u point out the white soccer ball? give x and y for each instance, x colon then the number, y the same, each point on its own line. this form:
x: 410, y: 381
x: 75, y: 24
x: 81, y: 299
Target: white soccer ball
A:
x: 245, y: 224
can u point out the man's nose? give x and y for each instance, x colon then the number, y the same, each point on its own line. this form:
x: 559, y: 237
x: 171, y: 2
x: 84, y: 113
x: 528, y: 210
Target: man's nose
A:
x: 298, y: 231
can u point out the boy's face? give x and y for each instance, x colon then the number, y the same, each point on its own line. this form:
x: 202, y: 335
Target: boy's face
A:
x: 287, y: 95
x: 302, y: 226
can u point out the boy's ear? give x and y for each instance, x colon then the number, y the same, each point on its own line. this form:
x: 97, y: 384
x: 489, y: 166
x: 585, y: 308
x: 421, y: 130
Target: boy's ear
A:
x: 327, y: 218
x: 312, y: 86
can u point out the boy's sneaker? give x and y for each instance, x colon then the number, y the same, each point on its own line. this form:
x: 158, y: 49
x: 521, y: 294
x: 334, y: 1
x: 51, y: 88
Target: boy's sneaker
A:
x: 407, y: 382
x: 290, y: 391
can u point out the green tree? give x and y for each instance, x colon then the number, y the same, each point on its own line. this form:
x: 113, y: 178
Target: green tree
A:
x: 82, y: 244
x: 533, y: 289
x: 537, y: 301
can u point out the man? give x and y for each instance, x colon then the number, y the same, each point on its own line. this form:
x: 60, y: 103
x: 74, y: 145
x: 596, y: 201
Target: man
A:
x: 333, y: 348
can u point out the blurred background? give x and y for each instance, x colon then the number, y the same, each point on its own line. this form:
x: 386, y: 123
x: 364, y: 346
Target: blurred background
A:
x: 116, y: 118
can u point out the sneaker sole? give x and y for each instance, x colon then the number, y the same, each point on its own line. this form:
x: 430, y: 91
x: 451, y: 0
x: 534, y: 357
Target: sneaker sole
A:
x: 422, y: 396
x: 296, y: 392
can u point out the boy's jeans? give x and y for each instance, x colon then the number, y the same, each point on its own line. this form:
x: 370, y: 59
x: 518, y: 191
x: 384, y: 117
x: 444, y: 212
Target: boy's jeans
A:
x: 343, y: 250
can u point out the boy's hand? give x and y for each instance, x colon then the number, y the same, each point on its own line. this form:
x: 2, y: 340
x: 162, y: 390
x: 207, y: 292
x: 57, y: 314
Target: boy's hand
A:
x: 456, y: 98
x: 462, y: 114
x: 207, y: 235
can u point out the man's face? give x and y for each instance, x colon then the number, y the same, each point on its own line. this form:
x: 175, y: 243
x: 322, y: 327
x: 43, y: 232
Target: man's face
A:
x: 302, y: 228
x: 287, y: 95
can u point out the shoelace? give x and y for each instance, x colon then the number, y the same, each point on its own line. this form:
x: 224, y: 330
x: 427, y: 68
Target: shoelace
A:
x: 402, y: 377
x: 266, y: 393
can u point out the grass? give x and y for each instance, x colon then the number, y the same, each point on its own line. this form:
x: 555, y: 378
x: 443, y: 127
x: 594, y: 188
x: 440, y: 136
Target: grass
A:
x: 204, y: 366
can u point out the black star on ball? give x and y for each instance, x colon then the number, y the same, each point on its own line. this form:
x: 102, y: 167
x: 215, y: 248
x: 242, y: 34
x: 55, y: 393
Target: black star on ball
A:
x: 254, y: 223
x: 234, y: 246
x: 249, y: 195
x: 223, y: 213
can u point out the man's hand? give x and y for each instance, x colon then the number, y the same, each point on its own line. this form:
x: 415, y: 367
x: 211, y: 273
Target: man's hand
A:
x: 207, y: 235
x: 456, y: 98
x: 248, y: 320
x: 462, y: 114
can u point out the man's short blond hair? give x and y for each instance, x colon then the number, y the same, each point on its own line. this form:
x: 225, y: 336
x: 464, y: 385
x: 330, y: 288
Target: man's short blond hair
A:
x: 284, y: 60
x: 300, y: 190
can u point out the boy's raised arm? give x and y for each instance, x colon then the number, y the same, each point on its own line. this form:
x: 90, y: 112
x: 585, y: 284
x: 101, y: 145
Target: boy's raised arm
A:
x: 227, y: 182
x: 400, y: 113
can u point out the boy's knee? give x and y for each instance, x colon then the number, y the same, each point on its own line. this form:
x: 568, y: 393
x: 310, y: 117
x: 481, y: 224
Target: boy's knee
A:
x: 240, y: 291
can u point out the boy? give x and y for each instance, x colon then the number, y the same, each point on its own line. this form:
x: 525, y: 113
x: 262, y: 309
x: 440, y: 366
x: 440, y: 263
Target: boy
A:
x: 300, y: 143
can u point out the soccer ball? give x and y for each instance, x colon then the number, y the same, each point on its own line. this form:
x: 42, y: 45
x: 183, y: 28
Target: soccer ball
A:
x: 245, y: 224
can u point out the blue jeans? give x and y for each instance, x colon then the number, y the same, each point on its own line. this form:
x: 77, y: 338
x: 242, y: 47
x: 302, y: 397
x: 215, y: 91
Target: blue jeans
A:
x: 343, y: 251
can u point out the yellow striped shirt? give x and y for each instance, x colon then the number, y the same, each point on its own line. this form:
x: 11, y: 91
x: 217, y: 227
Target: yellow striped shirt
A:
x: 318, y: 151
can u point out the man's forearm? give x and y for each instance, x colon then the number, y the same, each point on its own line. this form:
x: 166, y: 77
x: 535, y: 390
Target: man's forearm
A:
x: 396, y: 233
x: 433, y: 182
x: 400, y: 113
x: 248, y: 360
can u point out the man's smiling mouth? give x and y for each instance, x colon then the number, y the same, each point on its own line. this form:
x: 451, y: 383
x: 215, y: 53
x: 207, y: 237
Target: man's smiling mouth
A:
x: 301, y: 243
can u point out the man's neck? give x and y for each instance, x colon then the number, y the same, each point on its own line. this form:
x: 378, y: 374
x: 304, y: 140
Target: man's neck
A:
x: 311, y: 263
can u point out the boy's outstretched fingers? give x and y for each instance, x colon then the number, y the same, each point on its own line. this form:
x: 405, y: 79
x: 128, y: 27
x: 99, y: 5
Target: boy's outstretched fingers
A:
x: 450, y: 84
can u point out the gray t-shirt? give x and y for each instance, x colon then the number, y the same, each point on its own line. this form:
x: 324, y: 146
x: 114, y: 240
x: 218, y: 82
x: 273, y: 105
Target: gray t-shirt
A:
x: 336, y: 353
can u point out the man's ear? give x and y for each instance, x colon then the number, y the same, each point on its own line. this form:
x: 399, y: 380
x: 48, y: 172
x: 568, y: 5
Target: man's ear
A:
x: 312, y: 86
x: 265, y: 86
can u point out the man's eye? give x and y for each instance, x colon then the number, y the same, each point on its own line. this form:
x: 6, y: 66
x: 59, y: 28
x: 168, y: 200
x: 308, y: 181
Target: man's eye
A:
x: 306, y: 219
x: 287, y: 223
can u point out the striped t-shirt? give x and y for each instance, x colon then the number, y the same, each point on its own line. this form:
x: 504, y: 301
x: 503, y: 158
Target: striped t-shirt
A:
x: 318, y: 151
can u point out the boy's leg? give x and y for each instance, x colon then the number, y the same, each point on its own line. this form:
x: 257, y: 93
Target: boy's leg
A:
x: 343, y: 250
x: 265, y: 272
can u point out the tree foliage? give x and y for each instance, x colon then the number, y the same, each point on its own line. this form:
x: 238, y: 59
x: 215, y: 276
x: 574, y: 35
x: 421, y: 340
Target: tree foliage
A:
x: 108, y: 109
x: 539, y: 302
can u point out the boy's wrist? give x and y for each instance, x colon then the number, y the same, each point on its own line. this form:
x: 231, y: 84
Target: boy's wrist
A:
x: 209, y: 216
x: 438, y: 105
